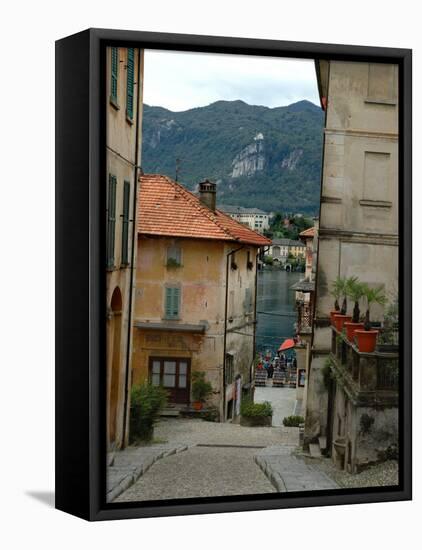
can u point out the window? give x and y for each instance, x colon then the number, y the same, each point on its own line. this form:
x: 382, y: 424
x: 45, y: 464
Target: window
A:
x: 174, y: 256
x: 172, y: 303
x: 376, y: 176
x: 111, y: 219
x: 382, y: 83
x: 114, y: 74
x: 125, y: 223
x: 173, y: 373
x: 229, y: 368
x: 130, y: 82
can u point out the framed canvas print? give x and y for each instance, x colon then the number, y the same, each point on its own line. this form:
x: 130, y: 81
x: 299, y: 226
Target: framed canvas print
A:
x: 233, y: 274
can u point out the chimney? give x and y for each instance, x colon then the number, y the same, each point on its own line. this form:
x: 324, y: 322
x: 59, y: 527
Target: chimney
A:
x: 208, y: 194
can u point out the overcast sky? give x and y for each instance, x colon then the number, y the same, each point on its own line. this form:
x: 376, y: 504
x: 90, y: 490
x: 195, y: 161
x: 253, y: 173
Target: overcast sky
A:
x: 181, y: 81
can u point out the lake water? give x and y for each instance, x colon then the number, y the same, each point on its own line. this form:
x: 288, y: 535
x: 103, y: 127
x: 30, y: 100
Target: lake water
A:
x: 275, y: 308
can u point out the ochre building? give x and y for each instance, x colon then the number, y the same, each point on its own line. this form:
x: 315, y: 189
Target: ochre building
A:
x: 195, y: 298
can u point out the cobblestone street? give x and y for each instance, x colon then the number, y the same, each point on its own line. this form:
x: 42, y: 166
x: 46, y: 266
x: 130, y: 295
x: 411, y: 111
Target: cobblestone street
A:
x: 283, y: 401
x: 213, y: 459
x: 201, y: 472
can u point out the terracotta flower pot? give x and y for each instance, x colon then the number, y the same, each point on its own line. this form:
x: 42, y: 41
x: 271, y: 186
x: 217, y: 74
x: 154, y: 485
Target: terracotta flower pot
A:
x: 366, y: 340
x: 197, y: 405
x: 339, y: 321
x: 351, y: 328
x: 332, y: 313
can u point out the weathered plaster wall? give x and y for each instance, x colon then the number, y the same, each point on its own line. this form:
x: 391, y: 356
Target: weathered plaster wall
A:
x: 358, y: 232
x: 202, y: 280
x: 121, y: 160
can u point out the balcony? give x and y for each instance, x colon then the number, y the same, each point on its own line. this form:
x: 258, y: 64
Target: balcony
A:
x: 368, y: 379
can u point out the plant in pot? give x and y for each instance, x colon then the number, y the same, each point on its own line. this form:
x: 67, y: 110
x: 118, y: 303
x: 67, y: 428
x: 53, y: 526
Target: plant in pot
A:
x: 255, y: 414
x: 339, y: 317
x: 335, y: 293
x: 388, y: 338
x: 355, y: 291
x: 366, y: 338
x: 201, y: 390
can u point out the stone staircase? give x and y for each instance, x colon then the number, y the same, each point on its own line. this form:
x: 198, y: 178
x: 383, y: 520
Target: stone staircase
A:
x: 288, y: 472
x: 172, y: 410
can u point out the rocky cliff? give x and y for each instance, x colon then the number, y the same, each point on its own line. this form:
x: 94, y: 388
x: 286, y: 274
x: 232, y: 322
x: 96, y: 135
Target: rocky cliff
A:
x: 268, y: 158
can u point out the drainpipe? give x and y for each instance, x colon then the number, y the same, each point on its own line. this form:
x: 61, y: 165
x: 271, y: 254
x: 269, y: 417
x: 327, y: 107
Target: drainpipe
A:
x: 255, y: 320
x: 225, y: 326
x: 136, y: 171
x: 254, y: 317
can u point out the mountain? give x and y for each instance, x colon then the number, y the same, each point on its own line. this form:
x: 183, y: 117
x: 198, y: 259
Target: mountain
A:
x: 269, y: 158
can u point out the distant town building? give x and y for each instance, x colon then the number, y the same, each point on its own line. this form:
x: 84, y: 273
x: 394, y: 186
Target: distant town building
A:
x: 195, y: 306
x: 352, y: 397
x: 305, y: 300
x: 256, y: 219
x: 123, y: 145
x: 281, y: 249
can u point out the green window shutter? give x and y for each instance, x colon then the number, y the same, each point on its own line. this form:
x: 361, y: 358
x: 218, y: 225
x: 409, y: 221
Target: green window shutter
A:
x: 111, y: 219
x: 176, y: 302
x: 125, y: 222
x: 172, y: 305
x: 114, y: 72
x: 130, y: 82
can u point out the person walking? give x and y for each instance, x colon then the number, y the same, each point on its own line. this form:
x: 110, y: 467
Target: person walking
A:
x: 270, y: 371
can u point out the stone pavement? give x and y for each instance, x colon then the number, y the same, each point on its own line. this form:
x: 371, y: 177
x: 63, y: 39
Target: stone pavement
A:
x: 283, y: 401
x: 195, y: 431
x: 219, y: 460
x: 289, y: 473
x: 201, y: 472
x: 127, y: 466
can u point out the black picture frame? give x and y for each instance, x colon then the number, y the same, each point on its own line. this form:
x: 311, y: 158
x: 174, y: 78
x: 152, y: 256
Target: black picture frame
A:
x: 80, y: 281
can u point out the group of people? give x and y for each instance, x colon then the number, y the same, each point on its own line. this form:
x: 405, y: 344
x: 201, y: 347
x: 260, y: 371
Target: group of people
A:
x: 279, y: 362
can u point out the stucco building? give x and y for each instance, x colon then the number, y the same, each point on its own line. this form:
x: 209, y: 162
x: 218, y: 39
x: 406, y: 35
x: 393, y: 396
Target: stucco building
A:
x: 124, y: 117
x: 256, y: 219
x: 352, y: 397
x: 281, y: 249
x: 305, y: 300
x: 195, y: 294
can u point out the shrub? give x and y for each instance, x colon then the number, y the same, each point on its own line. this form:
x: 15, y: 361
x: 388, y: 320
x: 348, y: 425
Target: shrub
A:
x: 201, y: 389
x: 147, y: 401
x: 293, y: 421
x: 249, y: 408
x: 390, y: 453
x: 211, y: 414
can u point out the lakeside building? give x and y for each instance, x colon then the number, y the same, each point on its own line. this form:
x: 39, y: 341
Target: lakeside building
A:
x: 352, y: 397
x: 256, y: 219
x: 195, y: 298
x: 123, y: 146
x: 305, y: 301
x: 281, y: 249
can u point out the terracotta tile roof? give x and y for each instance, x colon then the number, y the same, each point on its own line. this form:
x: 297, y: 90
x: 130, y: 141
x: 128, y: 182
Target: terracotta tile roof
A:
x: 166, y: 208
x: 308, y: 233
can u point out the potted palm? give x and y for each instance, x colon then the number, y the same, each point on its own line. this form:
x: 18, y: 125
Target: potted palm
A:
x: 340, y: 287
x: 335, y: 293
x: 367, y: 337
x: 388, y: 339
x: 201, y: 389
x: 355, y: 291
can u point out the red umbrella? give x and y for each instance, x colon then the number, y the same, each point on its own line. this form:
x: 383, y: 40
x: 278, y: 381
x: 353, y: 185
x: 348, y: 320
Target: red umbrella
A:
x: 287, y: 344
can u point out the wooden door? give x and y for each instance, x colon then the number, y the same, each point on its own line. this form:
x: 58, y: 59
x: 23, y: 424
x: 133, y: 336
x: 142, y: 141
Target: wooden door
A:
x: 173, y: 374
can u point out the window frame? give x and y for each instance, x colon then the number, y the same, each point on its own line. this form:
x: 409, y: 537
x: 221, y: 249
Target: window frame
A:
x: 114, y: 76
x: 172, y: 316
